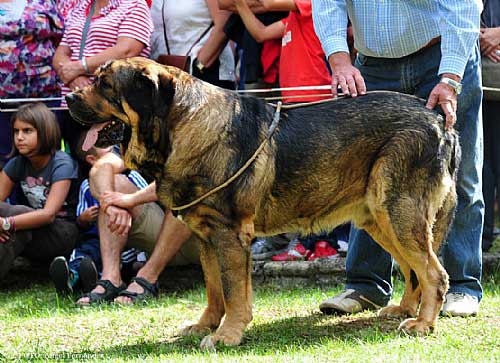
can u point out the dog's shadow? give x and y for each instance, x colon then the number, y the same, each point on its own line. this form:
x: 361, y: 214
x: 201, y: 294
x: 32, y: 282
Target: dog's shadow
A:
x: 276, y: 336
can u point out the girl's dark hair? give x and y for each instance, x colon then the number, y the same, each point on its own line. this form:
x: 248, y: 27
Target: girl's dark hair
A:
x: 44, y: 121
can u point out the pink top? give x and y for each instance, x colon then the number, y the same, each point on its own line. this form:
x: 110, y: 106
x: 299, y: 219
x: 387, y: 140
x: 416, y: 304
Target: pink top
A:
x: 121, y: 18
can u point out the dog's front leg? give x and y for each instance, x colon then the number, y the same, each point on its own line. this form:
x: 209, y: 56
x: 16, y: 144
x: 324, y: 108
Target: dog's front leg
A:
x: 235, y: 268
x: 214, y: 311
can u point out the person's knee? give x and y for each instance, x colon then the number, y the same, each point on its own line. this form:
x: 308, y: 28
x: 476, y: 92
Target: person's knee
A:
x: 8, y: 210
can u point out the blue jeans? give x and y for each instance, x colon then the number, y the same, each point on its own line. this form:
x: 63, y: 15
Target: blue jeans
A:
x: 368, y: 266
x: 491, y: 169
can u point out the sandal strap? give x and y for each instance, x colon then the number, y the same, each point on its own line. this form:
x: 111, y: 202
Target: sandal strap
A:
x: 110, y: 292
x: 151, y: 288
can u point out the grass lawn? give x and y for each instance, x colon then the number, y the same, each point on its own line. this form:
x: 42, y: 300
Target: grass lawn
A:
x: 37, y: 326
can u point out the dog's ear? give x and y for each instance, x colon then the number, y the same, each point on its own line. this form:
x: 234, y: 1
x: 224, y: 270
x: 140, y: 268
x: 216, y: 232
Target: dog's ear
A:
x: 150, y: 96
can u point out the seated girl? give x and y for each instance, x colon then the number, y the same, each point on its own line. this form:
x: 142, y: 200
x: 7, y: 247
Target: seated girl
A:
x: 43, y: 225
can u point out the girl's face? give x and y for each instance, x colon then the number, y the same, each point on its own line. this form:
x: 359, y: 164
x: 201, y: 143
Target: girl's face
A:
x: 25, y: 138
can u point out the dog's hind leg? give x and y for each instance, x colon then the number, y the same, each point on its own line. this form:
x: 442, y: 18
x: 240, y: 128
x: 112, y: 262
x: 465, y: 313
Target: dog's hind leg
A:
x: 211, y: 317
x: 405, y: 211
x: 411, y: 297
x: 235, y: 263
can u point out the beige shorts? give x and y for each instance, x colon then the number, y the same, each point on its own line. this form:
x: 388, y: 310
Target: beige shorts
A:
x: 144, y: 234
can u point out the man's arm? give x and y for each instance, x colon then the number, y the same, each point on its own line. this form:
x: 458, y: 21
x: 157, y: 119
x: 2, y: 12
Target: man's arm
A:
x: 255, y: 27
x: 330, y: 25
x: 459, y: 27
x: 129, y: 201
x: 102, y: 174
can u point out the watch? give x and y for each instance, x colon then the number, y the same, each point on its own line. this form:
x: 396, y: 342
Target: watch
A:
x: 6, y: 224
x: 457, y: 86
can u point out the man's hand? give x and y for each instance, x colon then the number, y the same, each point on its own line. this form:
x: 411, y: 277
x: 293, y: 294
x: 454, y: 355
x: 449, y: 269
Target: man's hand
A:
x: 120, y: 220
x: 125, y: 201
x: 489, y: 40
x: 89, y: 215
x: 445, y: 96
x: 345, y: 75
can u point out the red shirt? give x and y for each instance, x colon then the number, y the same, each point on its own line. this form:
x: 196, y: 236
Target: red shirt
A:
x: 121, y: 18
x: 302, y: 61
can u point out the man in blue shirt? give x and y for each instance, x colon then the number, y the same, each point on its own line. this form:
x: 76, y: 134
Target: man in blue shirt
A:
x: 429, y: 49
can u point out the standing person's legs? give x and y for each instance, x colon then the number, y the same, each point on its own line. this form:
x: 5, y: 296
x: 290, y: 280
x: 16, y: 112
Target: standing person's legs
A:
x: 491, y: 168
x: 494, y: 107
x: 368, y: 266
x: 488, y: 175
x: 462, y: 252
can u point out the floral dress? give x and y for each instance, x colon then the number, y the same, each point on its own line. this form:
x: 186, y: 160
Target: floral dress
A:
x: 29, y: 33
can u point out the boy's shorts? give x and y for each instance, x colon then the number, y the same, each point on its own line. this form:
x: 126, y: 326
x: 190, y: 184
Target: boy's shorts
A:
x: 144, y: 234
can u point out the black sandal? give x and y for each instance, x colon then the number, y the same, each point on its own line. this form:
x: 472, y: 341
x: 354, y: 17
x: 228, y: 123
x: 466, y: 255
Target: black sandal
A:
x: 110, y: 292
x: 150, y: 290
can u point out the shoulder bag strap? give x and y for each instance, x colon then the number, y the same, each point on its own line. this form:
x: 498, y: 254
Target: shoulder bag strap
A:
x: 164, y: 27
x: 86, y: 29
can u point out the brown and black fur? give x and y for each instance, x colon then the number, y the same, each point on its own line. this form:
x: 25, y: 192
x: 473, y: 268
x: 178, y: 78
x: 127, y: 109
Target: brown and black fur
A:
x: 382, y: 160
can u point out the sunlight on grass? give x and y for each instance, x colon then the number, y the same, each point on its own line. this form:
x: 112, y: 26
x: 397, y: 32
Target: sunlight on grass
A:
x: 287, y: 326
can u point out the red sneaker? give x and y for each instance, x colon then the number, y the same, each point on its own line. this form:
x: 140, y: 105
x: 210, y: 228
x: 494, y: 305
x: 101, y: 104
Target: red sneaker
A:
x: 297, y: 253
x: 322, y: 249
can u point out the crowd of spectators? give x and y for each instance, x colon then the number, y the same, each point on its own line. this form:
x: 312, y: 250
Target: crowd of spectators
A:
x: 50, y: 47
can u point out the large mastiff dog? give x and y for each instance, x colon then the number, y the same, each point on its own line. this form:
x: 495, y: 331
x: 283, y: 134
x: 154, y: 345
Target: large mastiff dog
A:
x: 382, y: 160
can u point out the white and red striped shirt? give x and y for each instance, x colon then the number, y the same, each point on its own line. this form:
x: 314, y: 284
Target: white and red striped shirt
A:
x: 120, y: 18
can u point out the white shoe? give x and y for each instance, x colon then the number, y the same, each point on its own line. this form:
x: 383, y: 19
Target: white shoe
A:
x: 348, y: 302
x: 458, y: 304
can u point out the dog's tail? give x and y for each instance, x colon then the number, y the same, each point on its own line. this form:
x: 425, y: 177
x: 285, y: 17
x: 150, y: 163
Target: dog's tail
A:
x: 451, y: 152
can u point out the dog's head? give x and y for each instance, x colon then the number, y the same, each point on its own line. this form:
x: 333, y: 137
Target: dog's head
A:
x: 136, y: 93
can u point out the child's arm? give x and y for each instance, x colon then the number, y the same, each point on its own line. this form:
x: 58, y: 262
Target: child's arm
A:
x: 256, y: 6
x: 279, y: 5
x: 40, y: 217
x: 6, y: 186
x: 87, y: 217
x: 259, y: 31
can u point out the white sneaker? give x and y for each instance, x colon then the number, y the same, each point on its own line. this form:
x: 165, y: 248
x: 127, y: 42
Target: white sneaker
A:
x: 458, y: 304
x: 348, y: 302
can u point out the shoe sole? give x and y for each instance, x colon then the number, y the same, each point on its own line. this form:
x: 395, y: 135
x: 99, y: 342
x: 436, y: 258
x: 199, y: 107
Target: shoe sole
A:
x: 59, y: 273
x: 332, y: 311
x: 88, y: 275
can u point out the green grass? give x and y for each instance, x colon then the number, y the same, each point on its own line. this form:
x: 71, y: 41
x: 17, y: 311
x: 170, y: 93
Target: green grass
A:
x: 37, y: 326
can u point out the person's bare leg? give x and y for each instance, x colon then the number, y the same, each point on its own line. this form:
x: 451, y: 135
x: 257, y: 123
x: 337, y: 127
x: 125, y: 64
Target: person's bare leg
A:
x: 173, y: 234
x: 112, y: 245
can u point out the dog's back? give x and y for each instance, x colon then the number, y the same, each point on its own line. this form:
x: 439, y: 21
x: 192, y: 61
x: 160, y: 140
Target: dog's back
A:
x: 325, y: 156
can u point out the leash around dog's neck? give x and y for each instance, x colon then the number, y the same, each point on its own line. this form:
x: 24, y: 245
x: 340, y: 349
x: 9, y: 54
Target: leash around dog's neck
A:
x: 270, y: 132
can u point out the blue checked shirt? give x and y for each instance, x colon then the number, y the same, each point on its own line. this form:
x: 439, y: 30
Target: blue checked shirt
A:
x: 397, y: 28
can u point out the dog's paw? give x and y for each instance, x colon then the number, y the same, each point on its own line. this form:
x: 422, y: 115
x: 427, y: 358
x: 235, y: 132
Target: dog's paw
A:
x: 415, y: 327
x: 395, y: 311
x: 210, y: 341
x: 195, y: 329
x: 207, y: 344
